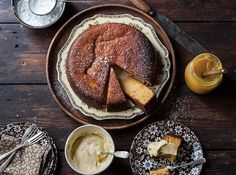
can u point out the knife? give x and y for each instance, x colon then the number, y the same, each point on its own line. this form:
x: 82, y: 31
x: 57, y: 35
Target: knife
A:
x: 179, y: 35
x: 174, y: 31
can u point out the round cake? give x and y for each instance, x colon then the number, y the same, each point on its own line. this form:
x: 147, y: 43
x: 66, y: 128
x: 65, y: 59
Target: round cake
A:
x: 101, y: 47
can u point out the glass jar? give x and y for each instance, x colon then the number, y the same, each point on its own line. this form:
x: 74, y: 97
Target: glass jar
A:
x: 194, y: 79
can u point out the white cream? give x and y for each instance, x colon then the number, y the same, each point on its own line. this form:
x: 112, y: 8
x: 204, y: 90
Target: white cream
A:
x: 82, y: 146
x: 84, y: 150
x: 154, y: 147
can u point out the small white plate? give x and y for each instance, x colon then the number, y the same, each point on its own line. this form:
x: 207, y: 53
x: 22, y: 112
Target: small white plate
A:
x: 149, y: 32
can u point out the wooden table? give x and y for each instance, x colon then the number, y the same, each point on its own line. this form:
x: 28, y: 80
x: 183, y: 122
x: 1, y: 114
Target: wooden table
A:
x: 24, y: 94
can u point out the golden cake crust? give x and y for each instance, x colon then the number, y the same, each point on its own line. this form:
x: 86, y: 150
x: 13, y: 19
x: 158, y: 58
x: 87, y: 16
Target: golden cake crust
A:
x: 108, y: 44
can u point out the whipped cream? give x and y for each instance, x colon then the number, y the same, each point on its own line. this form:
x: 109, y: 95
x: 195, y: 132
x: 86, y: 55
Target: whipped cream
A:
x: 154, y: 147
x: 84, y: 151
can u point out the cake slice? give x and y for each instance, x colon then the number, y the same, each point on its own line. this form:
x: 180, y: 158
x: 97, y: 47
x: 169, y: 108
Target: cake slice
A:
x: 96, y: 82
x: 170, y: 150
x: 163, y: 171
x: 140, y: 94
x: 167, y: 147
x: 116, y: 100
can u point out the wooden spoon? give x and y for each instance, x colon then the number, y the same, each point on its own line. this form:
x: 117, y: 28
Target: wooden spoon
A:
x: 214, y: 72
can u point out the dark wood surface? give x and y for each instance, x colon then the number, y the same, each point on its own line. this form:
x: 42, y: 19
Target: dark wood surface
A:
x: 24, y: 94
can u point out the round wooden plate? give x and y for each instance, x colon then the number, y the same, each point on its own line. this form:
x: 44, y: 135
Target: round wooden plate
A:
x: 60, y: 38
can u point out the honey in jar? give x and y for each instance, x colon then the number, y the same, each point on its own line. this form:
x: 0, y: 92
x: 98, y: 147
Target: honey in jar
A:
x: 194, y: 78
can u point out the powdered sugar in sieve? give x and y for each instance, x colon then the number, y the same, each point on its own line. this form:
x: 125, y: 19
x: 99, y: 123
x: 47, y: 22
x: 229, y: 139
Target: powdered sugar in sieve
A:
x: 27, y: 17
x: 42, y: 7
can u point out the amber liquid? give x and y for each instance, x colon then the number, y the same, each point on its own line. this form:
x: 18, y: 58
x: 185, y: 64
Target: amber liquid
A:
x: 194, y: 73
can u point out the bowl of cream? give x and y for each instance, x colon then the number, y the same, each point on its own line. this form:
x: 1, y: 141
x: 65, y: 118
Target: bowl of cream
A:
x: 82, y: 147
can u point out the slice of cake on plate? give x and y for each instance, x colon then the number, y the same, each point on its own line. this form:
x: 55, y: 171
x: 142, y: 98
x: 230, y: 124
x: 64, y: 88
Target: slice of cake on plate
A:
x: 171, y: 149
x: 163, y: 171
x: 167, y: 147
x: 140, y: 94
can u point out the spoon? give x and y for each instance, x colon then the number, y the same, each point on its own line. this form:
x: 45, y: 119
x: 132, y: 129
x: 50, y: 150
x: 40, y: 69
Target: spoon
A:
x: 44, y: 7
x: 120, y: 154
x: 214, y: 72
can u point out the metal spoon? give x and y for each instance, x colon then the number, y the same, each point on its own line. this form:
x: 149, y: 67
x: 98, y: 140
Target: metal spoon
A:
x: 193, y: 163
x: 120, y: 154
x: 44, y: 7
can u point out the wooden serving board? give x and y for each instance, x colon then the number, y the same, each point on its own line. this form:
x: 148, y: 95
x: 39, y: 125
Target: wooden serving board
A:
x: 59, y: 40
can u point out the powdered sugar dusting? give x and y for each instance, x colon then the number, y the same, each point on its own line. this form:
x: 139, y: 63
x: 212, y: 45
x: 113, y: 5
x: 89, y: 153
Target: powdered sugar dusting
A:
x: 181, y: 108
x: 42, y: 7
x: 99, y: 69
x: 182, y: 104
x: 178, y: 105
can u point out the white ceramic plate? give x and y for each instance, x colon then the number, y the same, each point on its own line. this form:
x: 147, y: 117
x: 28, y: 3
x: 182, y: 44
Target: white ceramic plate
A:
x: 140, y: 161
x: 149, y: 32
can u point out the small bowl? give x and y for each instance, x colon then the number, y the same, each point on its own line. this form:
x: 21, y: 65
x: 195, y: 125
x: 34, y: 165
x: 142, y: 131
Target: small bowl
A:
x: 24, y: 15
x: 72, y: 143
